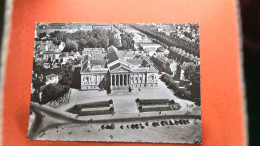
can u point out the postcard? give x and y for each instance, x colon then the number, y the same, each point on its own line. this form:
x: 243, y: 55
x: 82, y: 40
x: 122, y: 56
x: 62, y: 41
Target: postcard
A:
x: 116, y: 82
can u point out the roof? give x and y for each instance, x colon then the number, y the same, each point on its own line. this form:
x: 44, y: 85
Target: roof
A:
x: 51, y: 75
x: 98, y: 62
x: 93, y: 49
x: 98, y: 56
x: 64, y: 54
x: 84, y: 66
x: 113, y: 54
x: 130, y: 54
x: 152, y: 69
x: 135, y: 61
x: 56, y: 71
x: 186, y: 64
x: 71, y: 53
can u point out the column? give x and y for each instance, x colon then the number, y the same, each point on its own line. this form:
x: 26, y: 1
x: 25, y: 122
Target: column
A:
x: 126, y: 79
x: 123, y: 80
x: 137, y: 78
x: 119, y: 80
x: 111, y: 79
x: 115, y: 79
x: 129, y: 78
x: 97, y: 79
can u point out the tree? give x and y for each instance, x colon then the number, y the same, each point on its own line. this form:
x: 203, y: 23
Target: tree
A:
x: 104, y: 41
x: 82, y: 44
x: 56, y: 41
x: 177, y: 76
x: 70, y: 45
x: 92, y: 42
x: 37, y: 83
x: 161, y: 49
x: 114, y: 41
x: 189, y: 72
x: 51, y: 92
x: 41, y: 35
x: 195, y: 87
x: 66, y: 78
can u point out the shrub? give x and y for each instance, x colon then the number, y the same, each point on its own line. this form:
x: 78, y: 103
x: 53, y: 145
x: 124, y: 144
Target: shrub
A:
x: 137, y: 100
x: 112, y: 109
x: 110, y: 101
x: 176, y: 106
x: 172, y: 101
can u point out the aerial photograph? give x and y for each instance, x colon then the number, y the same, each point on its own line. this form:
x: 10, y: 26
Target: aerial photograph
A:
x: 116, y: 82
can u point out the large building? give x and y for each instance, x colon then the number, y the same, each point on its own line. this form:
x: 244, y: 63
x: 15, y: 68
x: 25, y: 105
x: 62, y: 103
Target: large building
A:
x: 118, y: 71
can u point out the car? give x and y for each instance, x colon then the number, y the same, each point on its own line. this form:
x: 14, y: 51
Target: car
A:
x: 147, y: 123
x: 122, y: 126
x: 107, y: 127
x: 181, y: 122
x: 103, y: 127
x: 166, y: 122
x: 188, y: 121
x: 176, y: 122
x: 141, y: 124
x: 142, y: 127
x: 133, y: 126
x: 127, y: 126
x: 162, y: 123
x: 136, y: 126
x: 112, y: 126
x: 158, y: 124
x: 154, y: 124
x: 171, y: 122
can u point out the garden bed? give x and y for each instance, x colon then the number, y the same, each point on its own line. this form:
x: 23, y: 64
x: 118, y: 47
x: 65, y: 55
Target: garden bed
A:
x: 97, y: 112
x: 152, y: 101
x: 144, y: 109
x: 93, y: 106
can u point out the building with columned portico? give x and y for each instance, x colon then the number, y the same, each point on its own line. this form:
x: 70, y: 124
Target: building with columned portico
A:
x: 117, y: 71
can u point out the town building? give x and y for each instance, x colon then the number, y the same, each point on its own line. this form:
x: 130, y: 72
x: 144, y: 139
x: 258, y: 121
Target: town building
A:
x: 51, y: 79
x: 117, y: 72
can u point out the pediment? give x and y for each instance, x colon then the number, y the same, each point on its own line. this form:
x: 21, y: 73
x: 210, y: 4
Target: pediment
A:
x: 121, y: 69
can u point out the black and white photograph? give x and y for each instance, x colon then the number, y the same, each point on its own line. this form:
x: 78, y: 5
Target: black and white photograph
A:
x: 116, y: 82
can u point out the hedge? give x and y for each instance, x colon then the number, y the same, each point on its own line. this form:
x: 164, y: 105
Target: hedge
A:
x: 77, y: 108
x: 155, y: 109
x: 98, y: 112
x: 94, y: 104
x: 153, y: 101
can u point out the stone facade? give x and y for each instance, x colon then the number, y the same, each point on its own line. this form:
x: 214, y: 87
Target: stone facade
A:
x: 117, y: 72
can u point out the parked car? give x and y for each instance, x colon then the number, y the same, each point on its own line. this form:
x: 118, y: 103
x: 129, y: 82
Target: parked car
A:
x: 122, y: 126
x: 154, y: 124
x: 162, y: 123
x: 171, y: 122
x: 133, y: 126
x: 147, y: 123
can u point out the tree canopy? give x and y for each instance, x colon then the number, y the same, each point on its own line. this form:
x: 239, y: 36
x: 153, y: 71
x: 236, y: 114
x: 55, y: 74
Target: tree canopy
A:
x: 66, y: 78
x: 51, y: 92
